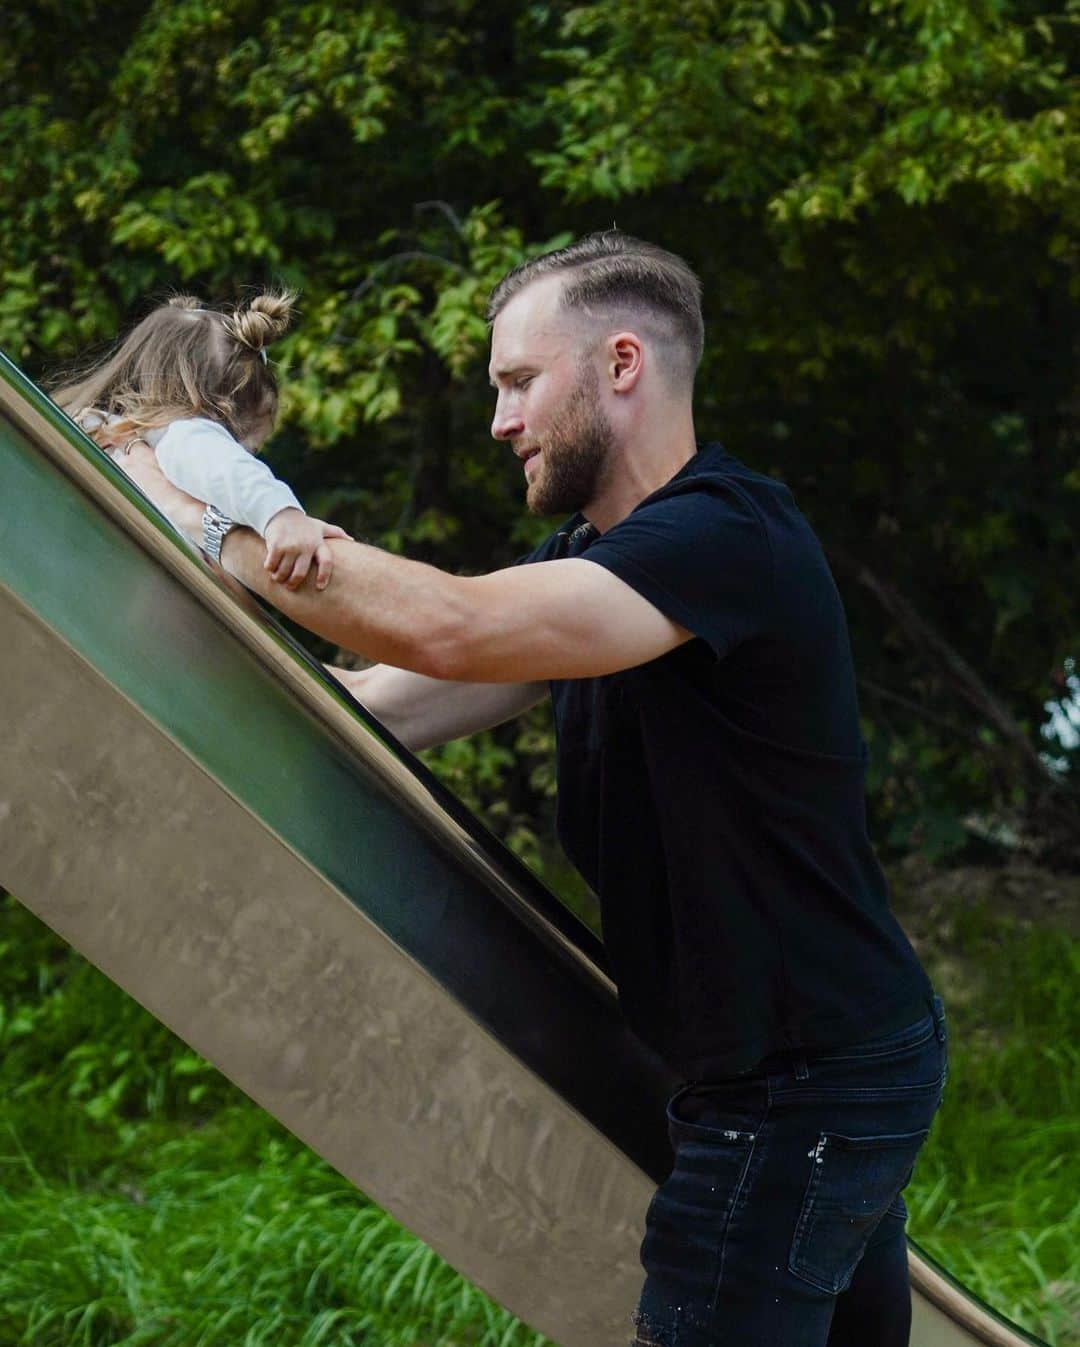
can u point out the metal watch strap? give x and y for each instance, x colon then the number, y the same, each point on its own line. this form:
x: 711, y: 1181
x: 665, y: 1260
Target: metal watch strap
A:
x: 215, y: 526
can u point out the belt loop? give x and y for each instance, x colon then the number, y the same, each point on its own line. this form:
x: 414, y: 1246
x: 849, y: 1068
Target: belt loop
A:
x: 802, y: 1071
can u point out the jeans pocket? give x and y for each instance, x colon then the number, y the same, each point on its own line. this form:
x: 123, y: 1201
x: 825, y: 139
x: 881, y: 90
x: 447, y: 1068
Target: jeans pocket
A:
x: 853, y: 1182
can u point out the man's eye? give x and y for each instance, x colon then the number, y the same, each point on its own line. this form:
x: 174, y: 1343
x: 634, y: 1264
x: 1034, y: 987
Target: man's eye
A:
x: 524, y: 381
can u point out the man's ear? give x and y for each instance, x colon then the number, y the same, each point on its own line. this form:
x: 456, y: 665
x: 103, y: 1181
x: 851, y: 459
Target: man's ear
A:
x: 626, y: 359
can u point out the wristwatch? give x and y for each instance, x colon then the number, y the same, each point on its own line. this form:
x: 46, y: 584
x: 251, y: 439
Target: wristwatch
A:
x: 215, y: 526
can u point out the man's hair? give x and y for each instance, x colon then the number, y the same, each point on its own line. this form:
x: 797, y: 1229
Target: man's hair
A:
x: 184, y: 359
x: 609, y: 272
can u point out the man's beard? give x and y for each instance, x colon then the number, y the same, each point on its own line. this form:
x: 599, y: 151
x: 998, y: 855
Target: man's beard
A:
x: 574, y: 452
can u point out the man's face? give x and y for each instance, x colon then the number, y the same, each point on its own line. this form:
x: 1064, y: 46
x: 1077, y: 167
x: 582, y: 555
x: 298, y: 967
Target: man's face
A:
x: 549, y: 401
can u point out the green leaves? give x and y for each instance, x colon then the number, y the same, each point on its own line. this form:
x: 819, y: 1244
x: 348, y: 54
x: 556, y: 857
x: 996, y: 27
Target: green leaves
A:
x: 781, y: 108
x: 881, y: 201
x: 204, y: 226
x: 309, y: 62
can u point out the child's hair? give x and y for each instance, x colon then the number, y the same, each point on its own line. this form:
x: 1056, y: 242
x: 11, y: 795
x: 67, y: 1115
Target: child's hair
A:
x: 184, y: 359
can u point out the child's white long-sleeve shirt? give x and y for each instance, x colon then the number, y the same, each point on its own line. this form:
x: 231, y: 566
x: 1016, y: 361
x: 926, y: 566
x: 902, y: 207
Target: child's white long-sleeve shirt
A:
x: 202, y: 458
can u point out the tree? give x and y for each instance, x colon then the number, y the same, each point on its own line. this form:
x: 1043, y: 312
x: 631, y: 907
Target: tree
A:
x: 881, y: 199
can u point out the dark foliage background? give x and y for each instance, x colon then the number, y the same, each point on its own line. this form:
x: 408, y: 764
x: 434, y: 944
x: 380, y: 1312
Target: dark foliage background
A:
x: 881, y: 198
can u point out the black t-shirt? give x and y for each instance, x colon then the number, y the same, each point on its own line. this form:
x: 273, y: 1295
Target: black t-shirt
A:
x: 714, y: 797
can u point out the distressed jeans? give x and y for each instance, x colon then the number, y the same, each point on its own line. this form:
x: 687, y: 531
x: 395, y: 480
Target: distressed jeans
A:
x: 782, y: 1221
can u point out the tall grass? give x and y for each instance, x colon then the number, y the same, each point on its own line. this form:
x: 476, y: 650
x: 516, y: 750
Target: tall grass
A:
x: 145, y: 1202
x: 179, y: 1245
x: 996, y: 1196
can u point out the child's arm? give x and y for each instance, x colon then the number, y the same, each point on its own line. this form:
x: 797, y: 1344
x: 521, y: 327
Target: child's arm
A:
x: 202, y: 458
x: 293, y: 541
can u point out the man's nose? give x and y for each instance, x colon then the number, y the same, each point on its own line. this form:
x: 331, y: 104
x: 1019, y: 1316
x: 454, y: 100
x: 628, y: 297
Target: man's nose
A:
x: 506, y: 424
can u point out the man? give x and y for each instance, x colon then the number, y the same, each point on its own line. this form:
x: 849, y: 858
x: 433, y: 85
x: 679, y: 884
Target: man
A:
x: 710, y: 789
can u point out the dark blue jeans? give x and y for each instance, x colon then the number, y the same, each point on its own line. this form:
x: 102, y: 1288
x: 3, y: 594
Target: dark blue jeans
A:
x: 782, y: 1223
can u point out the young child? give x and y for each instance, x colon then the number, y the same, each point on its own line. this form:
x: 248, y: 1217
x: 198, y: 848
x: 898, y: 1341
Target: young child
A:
x: 194, y: 383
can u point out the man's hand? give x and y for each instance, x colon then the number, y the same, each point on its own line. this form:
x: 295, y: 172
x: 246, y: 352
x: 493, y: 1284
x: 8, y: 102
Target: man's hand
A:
x: 293, y: 541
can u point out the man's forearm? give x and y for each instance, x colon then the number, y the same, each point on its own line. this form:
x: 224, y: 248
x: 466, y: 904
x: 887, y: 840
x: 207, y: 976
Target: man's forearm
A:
x: 568, y: 618
x: 381, y: 606
x: 422, y: 711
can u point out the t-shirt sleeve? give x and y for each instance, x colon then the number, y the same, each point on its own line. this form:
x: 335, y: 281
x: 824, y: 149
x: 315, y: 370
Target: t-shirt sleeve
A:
x: 701, y: 556
x: 201, y: 457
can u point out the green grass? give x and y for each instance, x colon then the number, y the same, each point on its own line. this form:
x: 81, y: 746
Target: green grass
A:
x: 145, y: 1202
x: 996, y: 1196
x: 229, y: 1235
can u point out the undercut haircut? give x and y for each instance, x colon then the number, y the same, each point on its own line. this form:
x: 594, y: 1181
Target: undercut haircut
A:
x: 611, y: 273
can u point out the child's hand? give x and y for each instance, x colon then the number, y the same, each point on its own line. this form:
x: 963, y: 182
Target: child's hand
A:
x: 293, y: 541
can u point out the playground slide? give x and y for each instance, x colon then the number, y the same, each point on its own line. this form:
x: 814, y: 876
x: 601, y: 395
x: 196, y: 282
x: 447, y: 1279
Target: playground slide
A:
x: 188, y: 801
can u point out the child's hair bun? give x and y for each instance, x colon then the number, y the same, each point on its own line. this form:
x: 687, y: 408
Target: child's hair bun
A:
x: 265, y: 319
